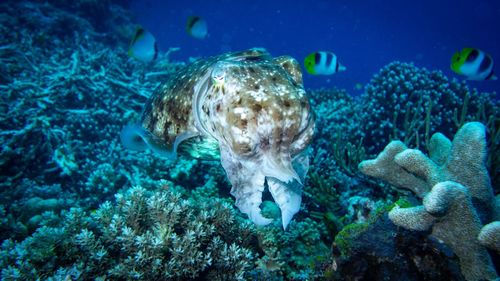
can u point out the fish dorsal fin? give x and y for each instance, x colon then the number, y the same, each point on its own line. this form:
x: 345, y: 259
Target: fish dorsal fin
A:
x: 139, y: 33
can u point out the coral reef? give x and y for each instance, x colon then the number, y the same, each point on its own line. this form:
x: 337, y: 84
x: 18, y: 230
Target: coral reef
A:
x: 490, y: 236
x: 456, y: 190
x: 164, y: 234
x: 297, y: 254
x: 408, y: 103
x: 337, y: 135
x: 336, y: 152
x: 71, y: 207
x: 379, y: 250
x: 143, y: 236
x: 67, y: 93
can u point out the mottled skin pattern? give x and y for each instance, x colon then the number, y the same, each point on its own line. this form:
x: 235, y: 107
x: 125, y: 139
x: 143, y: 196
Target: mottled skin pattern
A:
x: 169, y: 111
x: 255, y: 109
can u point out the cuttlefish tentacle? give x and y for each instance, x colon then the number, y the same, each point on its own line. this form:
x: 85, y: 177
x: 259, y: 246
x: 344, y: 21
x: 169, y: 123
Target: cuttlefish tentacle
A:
x: 300, y: 164
x: 287, y: 196
x: 247, y: 186
x: 248, y: 181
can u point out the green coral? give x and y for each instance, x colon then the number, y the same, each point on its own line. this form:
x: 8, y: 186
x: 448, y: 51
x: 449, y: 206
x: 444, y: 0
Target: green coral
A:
x: 337, y: 130
x: 401, y: 203
x: 352, y: 231
x: 322, y: 190
x: 348, y: 233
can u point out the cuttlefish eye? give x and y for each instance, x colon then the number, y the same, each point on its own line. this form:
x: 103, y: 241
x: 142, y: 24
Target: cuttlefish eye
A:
x: 218, y: 79
x: 218, y: 75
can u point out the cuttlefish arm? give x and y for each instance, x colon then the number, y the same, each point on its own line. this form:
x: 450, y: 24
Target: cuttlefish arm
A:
x: 288, y: 195
x: 248, y: 181
x: 247, y: 185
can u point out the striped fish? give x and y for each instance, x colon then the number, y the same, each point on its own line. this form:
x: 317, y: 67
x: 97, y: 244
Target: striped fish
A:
x: 322, y: 63
x: 143, y: 46
x: 197, y: 27
x: 474, y: 64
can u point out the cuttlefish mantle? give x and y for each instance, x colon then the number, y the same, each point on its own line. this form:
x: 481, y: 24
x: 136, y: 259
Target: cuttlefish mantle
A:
x: 245, y: 109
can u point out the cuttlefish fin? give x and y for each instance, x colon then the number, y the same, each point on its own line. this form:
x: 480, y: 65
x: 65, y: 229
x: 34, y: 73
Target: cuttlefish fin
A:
x: 135, y: 137
x: 247, y: 186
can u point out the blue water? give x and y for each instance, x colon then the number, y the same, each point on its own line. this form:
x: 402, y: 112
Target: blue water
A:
x: 365, y: 35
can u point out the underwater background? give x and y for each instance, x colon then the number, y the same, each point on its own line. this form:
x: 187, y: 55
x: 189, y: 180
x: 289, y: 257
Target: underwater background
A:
x: 75, y: 204
x: 364, y: 35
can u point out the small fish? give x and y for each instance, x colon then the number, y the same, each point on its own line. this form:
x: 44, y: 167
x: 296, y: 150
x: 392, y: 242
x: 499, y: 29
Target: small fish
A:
x: 473, y: 64
x: 322, y: 63
x: 196, y: 27
x: 143, y: 46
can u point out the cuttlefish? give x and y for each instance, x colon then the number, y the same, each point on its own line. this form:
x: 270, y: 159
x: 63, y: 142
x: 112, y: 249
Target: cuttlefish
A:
x: 245, y: 109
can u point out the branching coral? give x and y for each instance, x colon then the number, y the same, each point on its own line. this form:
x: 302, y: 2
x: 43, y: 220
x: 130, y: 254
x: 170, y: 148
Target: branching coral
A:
x: 456, y: 191
x: 337, y: 131
x: 336, y: 152
x: 490, y: 236
x: 66, y: 95
x: 407, y: 103
x: 296, y: 254
x: 143, y: 236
